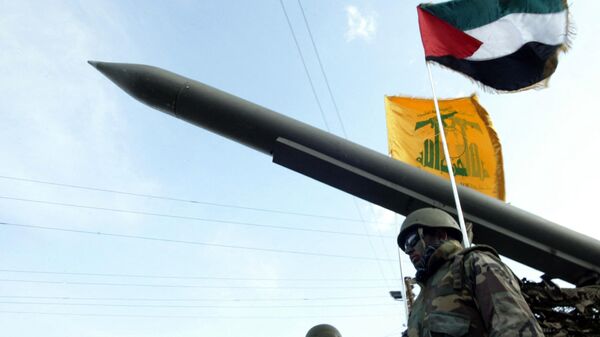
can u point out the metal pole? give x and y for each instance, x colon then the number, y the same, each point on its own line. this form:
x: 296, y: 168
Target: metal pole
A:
x: 461, y: 219
x: 403, y: 284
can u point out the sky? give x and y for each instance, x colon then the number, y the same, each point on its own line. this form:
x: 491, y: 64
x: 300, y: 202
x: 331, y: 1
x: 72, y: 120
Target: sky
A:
x: 119, y: 220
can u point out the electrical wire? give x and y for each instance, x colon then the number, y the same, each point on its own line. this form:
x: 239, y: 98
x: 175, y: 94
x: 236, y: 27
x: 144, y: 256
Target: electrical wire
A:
x: 204, y: 306
x: 310, y: 81
x: 294, y: 317
x: 150, y: 285
x: 198, y: 243
x: 379, y: 266
x: 340, y: 121
x: 182, y: 217
x: 152, y: 196
x: 187, y: 299
x: 363, y: 222
x: 179, y: 277
x: 337, y: 111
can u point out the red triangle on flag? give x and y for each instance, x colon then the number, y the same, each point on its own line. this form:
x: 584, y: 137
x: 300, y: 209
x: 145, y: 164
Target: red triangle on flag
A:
x: 442, y: 39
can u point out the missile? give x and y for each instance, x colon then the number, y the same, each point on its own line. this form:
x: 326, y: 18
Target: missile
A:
x: 534, y: 241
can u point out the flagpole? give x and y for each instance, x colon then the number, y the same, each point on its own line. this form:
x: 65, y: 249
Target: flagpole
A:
x: 461, y: 219
x: 403, y: 283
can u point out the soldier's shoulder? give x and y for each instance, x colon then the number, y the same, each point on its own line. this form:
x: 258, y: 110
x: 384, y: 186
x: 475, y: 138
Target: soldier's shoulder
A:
x: 480, y: 253
x: 479, y: 249
x: 481, y: 258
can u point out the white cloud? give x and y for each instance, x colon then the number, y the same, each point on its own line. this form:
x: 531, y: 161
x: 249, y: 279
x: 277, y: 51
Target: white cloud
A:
x: 359, y: 25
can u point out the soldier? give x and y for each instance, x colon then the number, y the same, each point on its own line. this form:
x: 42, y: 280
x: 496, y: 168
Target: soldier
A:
x: 464, y: 292
x: 323, y: 330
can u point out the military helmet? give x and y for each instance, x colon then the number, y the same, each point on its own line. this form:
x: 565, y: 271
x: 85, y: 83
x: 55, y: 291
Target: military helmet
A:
x: 430, y: 218
x: 323, y: 330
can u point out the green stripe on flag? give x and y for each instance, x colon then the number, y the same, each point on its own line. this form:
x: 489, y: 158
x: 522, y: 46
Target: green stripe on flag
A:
x: 469, y: 14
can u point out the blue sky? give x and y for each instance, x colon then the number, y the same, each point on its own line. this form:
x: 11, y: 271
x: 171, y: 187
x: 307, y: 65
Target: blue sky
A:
x: 63, y: 122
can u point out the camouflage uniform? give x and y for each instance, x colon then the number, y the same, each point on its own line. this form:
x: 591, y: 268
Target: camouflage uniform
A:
x: 470, y: 293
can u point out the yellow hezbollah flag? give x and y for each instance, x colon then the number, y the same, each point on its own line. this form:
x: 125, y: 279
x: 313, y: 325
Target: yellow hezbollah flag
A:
x: 413, y: 137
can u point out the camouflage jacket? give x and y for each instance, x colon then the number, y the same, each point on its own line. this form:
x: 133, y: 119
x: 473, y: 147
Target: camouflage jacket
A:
x: 470, y: 293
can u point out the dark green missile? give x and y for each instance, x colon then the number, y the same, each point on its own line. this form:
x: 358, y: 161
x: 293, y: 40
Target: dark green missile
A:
x: 367, y: 174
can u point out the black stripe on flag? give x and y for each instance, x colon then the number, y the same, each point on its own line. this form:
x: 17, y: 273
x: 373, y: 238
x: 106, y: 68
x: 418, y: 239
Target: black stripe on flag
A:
x: 532, y: 63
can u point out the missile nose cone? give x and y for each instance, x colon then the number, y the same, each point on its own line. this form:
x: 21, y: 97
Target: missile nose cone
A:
x: 94, y: 64
x: 119, y: 73
x: 153, y: 86
x: 116, y: 72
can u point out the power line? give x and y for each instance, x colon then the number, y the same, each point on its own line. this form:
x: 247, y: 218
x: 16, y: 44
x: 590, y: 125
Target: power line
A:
x: 150, y: 285
x: 186, y: 277
x: 371, y: 243
x: 152, y: 196
x: 294, y: 317
x: 127, y: 236
x: 187, y: 299
x: 205, y: 306
x: 182, y: 217
x: 312, y: 86
x: 337, y: 111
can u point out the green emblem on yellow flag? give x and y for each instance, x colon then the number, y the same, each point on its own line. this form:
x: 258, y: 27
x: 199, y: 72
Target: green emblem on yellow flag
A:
x: 413, y: 137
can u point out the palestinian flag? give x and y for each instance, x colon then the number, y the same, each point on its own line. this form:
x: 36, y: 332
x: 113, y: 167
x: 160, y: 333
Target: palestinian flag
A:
x: 507, y: 45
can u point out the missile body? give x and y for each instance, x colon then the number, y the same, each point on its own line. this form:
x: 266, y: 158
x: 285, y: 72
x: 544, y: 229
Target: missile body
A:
x: 372, y: 176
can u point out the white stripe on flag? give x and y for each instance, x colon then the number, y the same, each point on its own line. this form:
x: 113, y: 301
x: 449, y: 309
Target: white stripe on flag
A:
x: 507, y: 34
